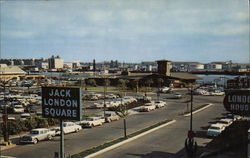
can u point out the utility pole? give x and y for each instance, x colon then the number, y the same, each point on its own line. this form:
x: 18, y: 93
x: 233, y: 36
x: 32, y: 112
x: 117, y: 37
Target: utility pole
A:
x: 5, y: 116
x: 190, y: 144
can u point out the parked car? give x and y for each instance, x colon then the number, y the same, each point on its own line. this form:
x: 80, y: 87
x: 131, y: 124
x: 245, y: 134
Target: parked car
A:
x: 24, y: 116
x: 177, y: 96
x: 37, y: 135
x: 215, y: 129
x: 111, y: 117
x: 225, y: 122
x: 111, y: 96
x: 233, y: 117
x: 147, y: 107
x: 18, y: 109
x: 164, y: 89
x: 69, y: 127
x: 160, y: 104
x: 92, y: 121
x: 56, y: 130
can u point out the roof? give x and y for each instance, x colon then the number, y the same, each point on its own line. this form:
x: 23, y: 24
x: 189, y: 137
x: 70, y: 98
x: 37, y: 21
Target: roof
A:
x: 11, y: 70
x: 175, y: 75
x: 184, y: 75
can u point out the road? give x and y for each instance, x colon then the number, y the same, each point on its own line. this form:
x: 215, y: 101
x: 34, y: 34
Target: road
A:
x: 88, y: 138
x: 167, y: 141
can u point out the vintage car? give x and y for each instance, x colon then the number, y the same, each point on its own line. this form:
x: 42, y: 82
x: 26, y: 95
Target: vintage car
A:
x: 37, y: 135
x: 147, y: 107
x: 92, y: 121
x: 69, y: 127
x: 111, y: 117
x: 215, y: 129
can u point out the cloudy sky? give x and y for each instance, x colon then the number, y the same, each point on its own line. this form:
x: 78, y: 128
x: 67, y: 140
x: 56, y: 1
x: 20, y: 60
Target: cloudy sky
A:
x: 126, y: 30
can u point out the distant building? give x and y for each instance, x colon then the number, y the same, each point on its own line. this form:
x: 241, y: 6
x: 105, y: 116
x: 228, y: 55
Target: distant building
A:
x: 8, y: 72
x: 55, y: 62
x: 164, y: 67
x: 213, y: 67
x: 186, y: 66
x: 76, y: 65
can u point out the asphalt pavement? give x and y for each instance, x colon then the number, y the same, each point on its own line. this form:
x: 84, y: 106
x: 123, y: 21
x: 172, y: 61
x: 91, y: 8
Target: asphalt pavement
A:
x: 168, y: 142
x: 88, y: 138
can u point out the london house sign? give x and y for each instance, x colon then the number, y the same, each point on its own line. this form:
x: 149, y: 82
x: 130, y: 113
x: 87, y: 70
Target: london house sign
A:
x: 62, y: 102
x: 238, y: 102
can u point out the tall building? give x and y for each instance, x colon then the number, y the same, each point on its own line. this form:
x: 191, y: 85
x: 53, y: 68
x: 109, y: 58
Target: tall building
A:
x: 55, y: 62
x: 164, y: 67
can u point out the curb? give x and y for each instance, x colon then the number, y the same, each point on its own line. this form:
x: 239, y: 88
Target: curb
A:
x: 196, y: 111
x: 129, y: 140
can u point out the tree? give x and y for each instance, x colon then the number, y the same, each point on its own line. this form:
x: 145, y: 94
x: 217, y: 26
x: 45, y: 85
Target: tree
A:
x: 106, y: 82
x: 149, y: 82
x: 122, y: 84
x: 122, y: 111
x: 160, y: 82
x: 91, y: 82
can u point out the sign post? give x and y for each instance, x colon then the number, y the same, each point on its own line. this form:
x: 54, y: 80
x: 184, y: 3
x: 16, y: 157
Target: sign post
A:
x: 61, y: 140
x: 63, y: 103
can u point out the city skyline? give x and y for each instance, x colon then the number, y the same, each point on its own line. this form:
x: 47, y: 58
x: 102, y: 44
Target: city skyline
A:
x: 131, y: 31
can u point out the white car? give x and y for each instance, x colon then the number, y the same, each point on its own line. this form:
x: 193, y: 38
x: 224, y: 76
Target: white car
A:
x: 225, y: 122
x: 129, y: 99
x: 111, y: 96
x: 92, y: 121
x: 215, y: 129
x: 37, y: 135
x: 160, y: 104
x: 18, y: 109
x: 164, y: 89
x: 69, y: 127
x: 56, y: 130
x: 111, y: 117
x: 147, y: 107
x: 24, y: 116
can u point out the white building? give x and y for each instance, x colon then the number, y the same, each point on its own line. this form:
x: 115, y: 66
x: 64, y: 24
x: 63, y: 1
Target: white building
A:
x: 55, y: 62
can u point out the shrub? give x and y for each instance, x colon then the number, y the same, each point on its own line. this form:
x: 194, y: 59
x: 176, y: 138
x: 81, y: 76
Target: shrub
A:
x: 41, y: 122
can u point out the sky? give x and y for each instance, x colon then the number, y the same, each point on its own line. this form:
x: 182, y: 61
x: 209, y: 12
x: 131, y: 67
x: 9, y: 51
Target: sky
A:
x: 126, y: 30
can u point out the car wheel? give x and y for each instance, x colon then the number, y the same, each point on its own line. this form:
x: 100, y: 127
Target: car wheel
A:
x: 92, y: 125
x: 77, y: 130
x: 35, y: 141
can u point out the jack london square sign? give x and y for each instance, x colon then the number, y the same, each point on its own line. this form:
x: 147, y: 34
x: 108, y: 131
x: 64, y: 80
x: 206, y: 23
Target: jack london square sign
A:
x: 238, y: 102
x: 62, y: 103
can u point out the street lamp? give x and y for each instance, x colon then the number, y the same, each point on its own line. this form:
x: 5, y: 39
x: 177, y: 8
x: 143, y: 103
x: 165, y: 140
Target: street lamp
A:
x: 190, y: 144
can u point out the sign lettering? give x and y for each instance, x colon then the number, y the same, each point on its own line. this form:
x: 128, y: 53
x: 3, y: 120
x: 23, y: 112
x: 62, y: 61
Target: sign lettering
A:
x: 238, y: 102
x: 62, y: 103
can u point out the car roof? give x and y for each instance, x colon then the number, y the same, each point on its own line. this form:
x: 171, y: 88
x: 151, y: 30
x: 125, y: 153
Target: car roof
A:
x: 226, y: 119
x: 39, y: 129
x: 217, y: 125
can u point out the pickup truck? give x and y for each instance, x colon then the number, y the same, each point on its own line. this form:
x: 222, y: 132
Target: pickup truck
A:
x: 37, y: 135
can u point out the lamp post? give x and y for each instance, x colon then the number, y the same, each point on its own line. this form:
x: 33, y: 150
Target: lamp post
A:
x: 190, y: 144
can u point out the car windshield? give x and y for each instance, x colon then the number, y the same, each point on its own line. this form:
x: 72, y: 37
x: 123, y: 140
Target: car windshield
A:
x: 89, y: 119
x: 223, y: 122
x: 216, y: 128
